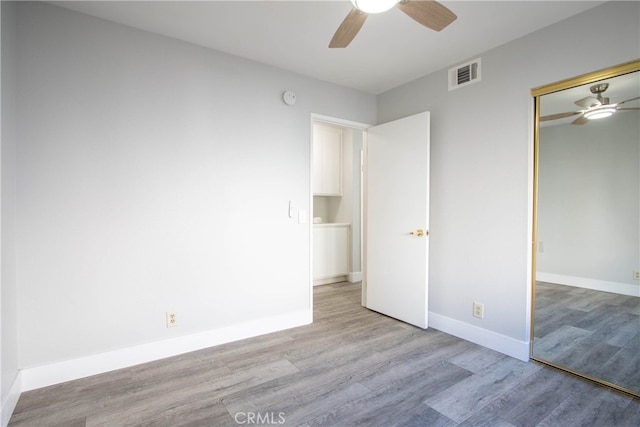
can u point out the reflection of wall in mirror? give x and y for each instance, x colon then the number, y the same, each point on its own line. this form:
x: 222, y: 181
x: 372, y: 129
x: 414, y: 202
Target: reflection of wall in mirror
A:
x: 589, y: 204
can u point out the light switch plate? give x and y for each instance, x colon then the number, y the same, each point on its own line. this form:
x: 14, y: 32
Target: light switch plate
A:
x: 302, y: 216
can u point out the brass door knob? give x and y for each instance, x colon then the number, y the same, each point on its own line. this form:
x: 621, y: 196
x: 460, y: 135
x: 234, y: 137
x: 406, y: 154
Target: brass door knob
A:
x: 419, y: 232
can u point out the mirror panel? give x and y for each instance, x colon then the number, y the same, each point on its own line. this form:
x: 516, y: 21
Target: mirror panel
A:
x: 586, y: 314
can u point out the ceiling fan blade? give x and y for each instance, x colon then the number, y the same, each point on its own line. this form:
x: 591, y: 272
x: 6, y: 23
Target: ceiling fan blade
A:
x: 559, y: 116
x: 587, y: 102
x: 348, y: 29
x: 429, y: 13
x: 629, y: 100
x: 580, y: 121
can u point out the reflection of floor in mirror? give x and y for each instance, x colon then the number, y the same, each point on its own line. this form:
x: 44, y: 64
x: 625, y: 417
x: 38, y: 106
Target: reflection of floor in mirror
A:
x: 593, y: 332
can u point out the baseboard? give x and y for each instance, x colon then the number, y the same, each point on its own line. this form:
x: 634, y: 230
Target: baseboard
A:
x: 329, y: 280
x: 54, y: 373
x: 484, y: 337
x: 355, y: 276
x: 11, y: 400
x: 628, y: 289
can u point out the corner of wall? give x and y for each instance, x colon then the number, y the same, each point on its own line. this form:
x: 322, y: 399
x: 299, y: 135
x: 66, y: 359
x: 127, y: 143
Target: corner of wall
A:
x: 10, y: 378
x: 11, y: 400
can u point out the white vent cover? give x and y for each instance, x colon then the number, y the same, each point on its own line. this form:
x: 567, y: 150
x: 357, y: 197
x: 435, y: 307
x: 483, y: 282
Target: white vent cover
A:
x: 465, y: 74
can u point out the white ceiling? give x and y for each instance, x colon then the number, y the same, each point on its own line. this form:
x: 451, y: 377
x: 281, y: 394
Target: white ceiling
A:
x: 391, y: 49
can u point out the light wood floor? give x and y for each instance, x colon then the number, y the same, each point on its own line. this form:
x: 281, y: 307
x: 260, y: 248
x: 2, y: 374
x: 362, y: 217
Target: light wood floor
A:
x: 350, y: 367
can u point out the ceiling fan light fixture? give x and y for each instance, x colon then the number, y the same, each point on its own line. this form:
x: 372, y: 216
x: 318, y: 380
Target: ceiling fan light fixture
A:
x: 374, y: 6
x: 600, y: 112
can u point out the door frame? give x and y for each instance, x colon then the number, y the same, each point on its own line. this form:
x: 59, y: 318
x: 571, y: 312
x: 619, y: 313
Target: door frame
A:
x: 320, y: 118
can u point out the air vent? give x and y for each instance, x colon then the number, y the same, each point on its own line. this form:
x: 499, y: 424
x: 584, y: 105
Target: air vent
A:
x: 464, y: 74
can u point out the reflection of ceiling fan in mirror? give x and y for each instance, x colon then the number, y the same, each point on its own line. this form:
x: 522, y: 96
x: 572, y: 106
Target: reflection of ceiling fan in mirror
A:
x: 594, y: 107
x: 429, y: 13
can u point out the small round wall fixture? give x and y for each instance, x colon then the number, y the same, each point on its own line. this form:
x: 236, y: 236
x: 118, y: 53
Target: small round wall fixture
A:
x: 289, y: 97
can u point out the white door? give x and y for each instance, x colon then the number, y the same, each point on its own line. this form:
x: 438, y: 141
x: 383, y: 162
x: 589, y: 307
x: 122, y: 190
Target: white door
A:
x: 397, y: 204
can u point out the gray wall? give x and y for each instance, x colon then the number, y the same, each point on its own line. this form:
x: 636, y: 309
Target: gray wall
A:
x: 155, y: 175
x: 589, y: 199
x: 481, y: 160
x: 8, y: 284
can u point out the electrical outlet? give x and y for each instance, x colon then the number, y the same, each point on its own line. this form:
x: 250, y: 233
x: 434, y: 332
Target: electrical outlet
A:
x: 636, y: 275
x: 478, y: 310
x: 172, y: 319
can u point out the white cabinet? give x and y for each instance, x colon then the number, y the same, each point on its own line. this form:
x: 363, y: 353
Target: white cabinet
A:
x: 327, y: 160
x: 331, y: 248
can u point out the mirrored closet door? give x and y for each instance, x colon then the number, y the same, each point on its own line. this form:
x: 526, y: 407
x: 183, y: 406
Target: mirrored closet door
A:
x: 586, y: 300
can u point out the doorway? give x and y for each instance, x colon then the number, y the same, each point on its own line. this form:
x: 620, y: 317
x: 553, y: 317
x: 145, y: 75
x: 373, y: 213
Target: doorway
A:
x: 394, y: 170
x: 337, y: 189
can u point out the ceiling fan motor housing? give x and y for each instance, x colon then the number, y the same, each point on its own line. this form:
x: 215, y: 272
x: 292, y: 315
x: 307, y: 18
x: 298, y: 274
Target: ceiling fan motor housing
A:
x: 599, y: 88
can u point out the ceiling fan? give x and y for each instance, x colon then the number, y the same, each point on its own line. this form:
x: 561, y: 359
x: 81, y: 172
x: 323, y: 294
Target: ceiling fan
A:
x: 429, y: 13
x: 597, y: 107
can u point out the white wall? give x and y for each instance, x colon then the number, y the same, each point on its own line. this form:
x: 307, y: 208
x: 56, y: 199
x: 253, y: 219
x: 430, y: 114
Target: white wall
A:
x: 8, y: 285
x: 356, y: 202
x: 156, y: 175
x: 481, y: 167
x: 589, y: 200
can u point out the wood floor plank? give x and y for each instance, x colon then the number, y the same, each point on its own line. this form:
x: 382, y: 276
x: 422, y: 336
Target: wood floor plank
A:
x: 558, y: 342
x: 475, y: 392
x: 485, y: 419
x: 309, y: 405
x: 534, y: 398
x: 587, y: 356
x: 477, y: 358
x: 618, y: 330
x: 405, y: 367
x: 398, y: 400
x: 586, y: 406
x: 312, y: 382
x: 623, y: 368
x: 201, y: 411
x: 630, y: 416
x: 156, y: 399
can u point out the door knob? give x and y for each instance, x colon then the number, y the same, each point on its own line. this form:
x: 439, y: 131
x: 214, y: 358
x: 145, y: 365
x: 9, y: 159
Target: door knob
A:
x: 419, y: 232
